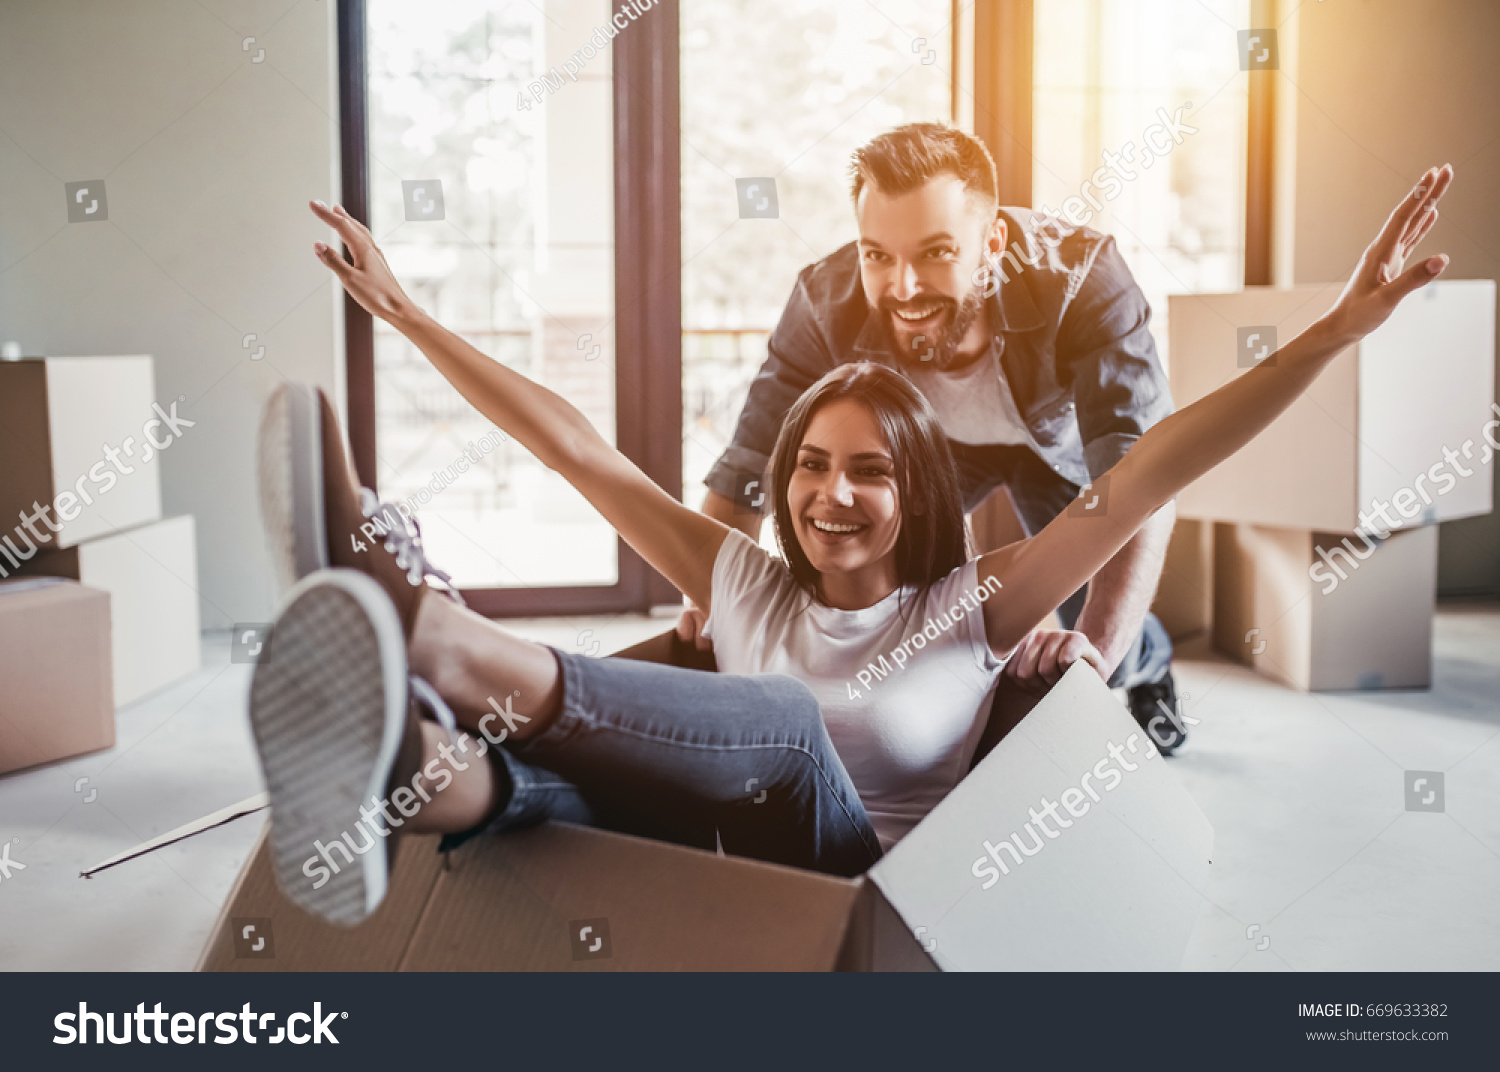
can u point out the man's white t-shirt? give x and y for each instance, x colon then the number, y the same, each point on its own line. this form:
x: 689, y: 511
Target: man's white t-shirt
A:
x: 901, y: 685
x: 974, y: 403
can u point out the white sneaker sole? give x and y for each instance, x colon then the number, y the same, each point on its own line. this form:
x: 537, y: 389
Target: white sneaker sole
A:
x: 328, y: 707
x: 291, y: 482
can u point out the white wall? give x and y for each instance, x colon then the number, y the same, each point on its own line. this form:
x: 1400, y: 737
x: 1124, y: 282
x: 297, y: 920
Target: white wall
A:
x: 209, y: 159
x: 1382, y: 89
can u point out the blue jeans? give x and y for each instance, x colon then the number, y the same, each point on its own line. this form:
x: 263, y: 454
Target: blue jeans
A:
x: 1040, y: 495
x: 678, y: 755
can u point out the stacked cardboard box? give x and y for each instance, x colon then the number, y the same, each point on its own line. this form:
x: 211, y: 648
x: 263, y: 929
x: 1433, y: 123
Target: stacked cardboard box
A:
x: 1324, y: 561
x: 56, y: 698
x: 80, y: 497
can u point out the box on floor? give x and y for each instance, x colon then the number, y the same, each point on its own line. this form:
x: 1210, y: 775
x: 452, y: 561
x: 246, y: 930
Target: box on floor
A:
x: 151, y: 574
x: 1320, y: 611
x: 1184, y: 599
x: 56, y: 696
x: 1115, y: 883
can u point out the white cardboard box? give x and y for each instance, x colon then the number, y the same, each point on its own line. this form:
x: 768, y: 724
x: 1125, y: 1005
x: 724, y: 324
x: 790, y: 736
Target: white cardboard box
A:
x: 1375, y: 423
x: 56, y: 699
x: 73, y: 432
x: 1282, y: 608
x: 151, y: 575
x: 1117, y: 889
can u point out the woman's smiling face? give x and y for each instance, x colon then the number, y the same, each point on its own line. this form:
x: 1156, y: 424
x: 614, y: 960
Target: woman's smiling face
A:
x: 843, y: 494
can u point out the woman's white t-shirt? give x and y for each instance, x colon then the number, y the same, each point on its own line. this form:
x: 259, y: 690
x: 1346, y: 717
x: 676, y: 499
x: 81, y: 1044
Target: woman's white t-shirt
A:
x: 901, y: 684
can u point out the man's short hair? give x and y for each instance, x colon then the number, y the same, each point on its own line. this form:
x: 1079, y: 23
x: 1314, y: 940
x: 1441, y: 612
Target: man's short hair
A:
x: 905, y: 158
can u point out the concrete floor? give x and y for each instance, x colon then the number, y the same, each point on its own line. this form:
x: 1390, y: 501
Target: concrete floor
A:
x: 1306, y: 793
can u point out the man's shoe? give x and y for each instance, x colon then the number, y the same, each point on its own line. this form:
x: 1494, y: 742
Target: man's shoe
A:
x: 316, y: 514
x: 1155, y: 709
x: 336, y: 730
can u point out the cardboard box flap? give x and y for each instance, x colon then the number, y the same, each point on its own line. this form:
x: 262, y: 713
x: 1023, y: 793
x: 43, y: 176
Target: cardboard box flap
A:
x: 569, y: 898
x: 260, y: 930
x: 1116, y: 886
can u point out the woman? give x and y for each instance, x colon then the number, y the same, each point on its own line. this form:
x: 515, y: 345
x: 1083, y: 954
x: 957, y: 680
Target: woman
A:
x: 894, y: 633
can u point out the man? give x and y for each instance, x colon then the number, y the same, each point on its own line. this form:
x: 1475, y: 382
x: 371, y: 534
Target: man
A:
x: 1035, y: 355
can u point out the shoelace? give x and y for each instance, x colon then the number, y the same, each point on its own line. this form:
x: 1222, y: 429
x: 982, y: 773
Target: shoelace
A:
x: 403, y: 539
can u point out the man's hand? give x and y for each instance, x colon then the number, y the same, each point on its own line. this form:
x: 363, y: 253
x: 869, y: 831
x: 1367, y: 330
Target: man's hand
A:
x: 690, y: 628
x: 1045, y: 655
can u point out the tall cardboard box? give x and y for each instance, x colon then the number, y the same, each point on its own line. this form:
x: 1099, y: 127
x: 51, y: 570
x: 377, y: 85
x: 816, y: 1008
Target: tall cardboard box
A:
x: 73, y: 435
x: 1118, y: 887
x: 56, y: 697
x: 151, y: 575
x: 1374, y: 425
x: 1323, y: 611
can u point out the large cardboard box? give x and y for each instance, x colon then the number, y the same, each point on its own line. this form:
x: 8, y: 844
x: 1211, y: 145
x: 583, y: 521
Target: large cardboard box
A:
x: 1118, y: 887
x: 1374, y: 426
x: 151, y: 574
x: 56, y: 697
x: 74, y: 438
x: 1322, y: 611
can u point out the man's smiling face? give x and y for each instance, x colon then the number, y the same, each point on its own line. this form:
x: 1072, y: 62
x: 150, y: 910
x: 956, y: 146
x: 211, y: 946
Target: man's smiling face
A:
x: 918, y: 254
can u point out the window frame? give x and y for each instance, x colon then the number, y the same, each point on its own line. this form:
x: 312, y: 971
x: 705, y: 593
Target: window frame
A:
x: 647, y: 292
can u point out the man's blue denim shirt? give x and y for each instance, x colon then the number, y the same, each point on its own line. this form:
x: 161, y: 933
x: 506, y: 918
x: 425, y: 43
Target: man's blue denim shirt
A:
x: 1075, y: 350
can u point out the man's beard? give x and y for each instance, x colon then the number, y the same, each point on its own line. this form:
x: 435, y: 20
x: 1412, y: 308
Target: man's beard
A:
x: 933, y: 347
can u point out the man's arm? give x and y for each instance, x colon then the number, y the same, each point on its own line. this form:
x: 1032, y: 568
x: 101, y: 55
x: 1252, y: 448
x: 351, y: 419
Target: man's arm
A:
x: 1121, y: 390
x: 723, y: 510
x: 1121, y: 593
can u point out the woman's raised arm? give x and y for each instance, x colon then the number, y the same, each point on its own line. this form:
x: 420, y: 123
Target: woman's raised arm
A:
x: 681, y: 543
x: 1039, y: 573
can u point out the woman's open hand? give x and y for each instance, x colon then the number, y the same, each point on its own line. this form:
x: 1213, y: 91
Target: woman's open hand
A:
x: 369, y: 279
x: 1378, y: 283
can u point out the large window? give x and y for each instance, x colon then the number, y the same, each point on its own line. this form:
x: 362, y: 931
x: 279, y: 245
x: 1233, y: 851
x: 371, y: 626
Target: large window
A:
x: 782, y: 90
x: 1107, y: 71
x: 491, y: 192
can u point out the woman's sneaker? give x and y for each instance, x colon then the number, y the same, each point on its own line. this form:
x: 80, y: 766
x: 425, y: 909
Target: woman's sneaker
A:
x: 336, y: 729
x: 317, y: 516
